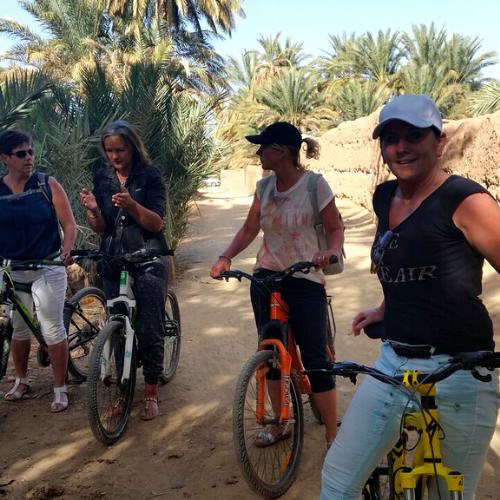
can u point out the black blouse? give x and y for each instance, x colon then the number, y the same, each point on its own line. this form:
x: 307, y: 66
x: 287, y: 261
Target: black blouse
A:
x: 122, y: 232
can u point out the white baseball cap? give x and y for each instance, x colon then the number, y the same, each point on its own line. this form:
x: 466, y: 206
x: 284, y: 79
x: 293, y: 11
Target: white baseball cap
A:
x: 417, y: 110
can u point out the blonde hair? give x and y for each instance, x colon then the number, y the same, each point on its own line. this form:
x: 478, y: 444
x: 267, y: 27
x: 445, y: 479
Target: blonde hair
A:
x: 311, y: 149
x: 125, y: 130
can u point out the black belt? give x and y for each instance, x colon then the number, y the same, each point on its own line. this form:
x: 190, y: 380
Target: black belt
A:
x: 423, y: 351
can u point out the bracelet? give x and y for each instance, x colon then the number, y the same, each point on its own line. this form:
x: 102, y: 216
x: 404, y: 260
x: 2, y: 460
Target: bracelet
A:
x: 91, y: 215
x: 225, y: 257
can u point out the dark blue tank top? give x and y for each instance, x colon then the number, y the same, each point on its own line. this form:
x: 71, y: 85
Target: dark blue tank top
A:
x: 431, y: 275
x: 28, y: 223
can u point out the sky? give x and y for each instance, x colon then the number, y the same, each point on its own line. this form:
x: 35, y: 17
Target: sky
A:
x: 311, y: 21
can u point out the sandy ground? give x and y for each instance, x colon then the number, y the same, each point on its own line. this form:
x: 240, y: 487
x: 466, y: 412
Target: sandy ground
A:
x: 188, y: 452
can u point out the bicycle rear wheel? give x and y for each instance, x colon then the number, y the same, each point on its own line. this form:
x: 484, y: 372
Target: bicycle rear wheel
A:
x: 172, y: 345
x: 270, y: 470
x: 84, y: 316
x: 109, y: 399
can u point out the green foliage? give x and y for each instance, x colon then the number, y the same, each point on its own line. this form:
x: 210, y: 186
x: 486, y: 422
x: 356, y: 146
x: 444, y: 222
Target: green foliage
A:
x: 19, y: 93
x: 67, y: 123
x: 487, y: 100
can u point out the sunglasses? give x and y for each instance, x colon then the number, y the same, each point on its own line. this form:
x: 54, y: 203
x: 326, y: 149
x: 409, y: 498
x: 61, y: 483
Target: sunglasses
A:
x: 379, y: 249
x: 412, y: 137
x: 22, y: 153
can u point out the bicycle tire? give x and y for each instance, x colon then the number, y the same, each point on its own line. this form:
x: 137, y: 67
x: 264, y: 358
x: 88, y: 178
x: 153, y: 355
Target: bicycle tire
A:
x: 172, y: 344
x: 84, y: 316
x: 104, y: 394
x: 5, y: 341
x: 269, y: 471
x: 380, y: 484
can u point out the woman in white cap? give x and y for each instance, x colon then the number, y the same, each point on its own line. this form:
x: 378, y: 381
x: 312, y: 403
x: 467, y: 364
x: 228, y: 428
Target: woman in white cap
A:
x: 434, y: 232
x: 282, y: 209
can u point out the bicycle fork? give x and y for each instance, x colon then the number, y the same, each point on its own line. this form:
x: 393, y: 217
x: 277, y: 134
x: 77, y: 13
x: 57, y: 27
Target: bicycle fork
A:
x: 430, y: 463
x: 285, y: 360
x: 126, y: 297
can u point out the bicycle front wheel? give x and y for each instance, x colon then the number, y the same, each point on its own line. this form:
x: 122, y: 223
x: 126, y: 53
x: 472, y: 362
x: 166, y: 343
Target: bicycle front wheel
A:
x: 5, y: 340
x: 269, y: 470
x: 84, y: 316
x: 109, y: 398
x: 172, y: 343
x: 380, y: 484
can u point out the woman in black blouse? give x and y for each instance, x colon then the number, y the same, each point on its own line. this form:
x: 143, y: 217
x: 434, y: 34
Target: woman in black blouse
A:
x: 127, y: 207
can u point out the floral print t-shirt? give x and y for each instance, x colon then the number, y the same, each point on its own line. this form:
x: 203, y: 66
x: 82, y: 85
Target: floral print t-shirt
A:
x: 287, y: 220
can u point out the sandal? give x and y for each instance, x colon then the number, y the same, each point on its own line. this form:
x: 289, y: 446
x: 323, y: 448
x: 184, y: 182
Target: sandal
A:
x: 17, y: 392
x: 147, y: 414
x: 272, y: 435
x: 59, y: 404
x: 116, y: 410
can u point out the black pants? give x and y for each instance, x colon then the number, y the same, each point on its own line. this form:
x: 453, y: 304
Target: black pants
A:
x: 150, y: 289
x: 307, y: 308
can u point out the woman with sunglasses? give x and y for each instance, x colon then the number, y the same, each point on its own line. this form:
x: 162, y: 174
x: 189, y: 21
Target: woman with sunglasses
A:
x: 32, y: 206
x: 434, y: 232
x: 127, y: 207
x: 284, y: 212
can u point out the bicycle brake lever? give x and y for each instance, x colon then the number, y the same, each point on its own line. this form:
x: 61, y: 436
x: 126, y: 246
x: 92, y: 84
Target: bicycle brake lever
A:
x: 478, y: 376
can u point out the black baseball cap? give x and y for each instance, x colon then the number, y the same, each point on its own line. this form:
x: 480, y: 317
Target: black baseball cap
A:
x: 283, y: 133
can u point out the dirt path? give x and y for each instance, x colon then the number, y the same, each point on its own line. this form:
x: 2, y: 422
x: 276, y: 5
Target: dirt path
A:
x: 188, y: 451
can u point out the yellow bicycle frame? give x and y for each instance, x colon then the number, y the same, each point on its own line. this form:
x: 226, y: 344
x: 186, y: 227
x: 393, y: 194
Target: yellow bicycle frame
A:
x: 427, y: 459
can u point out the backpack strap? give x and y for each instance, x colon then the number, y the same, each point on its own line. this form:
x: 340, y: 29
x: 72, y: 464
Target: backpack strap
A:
x: 312, y: 189
x: 42, y: 180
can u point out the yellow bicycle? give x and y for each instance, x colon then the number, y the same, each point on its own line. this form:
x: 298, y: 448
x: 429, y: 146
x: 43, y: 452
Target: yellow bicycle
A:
x: 410, y: 464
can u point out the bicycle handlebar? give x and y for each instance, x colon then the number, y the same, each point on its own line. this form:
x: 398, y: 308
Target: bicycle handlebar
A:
x: 462, y: 361
x: 303, y: 266
x: 137, y: 257
x: 28, y: 265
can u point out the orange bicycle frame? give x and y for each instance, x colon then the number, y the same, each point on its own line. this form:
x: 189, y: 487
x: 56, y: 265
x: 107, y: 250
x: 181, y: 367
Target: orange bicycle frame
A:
x: 287, y: 359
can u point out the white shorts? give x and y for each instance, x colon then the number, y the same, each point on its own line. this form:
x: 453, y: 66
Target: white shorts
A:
x: 48, y: 291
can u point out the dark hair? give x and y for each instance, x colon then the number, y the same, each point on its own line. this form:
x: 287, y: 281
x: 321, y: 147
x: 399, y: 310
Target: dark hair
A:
x: 10, y: 139
x: 312, y: 150
x: 125, y: 130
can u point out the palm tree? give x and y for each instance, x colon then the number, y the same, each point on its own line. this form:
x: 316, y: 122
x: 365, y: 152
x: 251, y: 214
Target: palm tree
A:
x: 378, y: 59
x: 438, y: 82
x: 357, y: 98
x: 19, y: 93
x: 340, y: 63
x: 294, y: 97
x: 178, y: 14
x: 463, y: 58
x: 487, y: 100
x: 276, y: 57
x: 79, y: 33
x: 425, y: 46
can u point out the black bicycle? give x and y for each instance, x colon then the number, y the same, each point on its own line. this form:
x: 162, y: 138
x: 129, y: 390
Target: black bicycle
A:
x: 84, y: 315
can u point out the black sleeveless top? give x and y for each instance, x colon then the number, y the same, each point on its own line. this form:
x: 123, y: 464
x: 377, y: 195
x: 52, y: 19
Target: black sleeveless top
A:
x: 28, y: 222
x: 431, y: 276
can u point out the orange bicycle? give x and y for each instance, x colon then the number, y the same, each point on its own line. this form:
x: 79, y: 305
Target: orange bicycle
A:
x: 268, y: 394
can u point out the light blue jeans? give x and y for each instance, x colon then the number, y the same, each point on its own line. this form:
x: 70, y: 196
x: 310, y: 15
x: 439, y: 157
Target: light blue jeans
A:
x: 467, y: 413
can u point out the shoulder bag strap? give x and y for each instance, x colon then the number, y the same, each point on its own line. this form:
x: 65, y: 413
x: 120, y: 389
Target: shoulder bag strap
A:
x: 312, y: 189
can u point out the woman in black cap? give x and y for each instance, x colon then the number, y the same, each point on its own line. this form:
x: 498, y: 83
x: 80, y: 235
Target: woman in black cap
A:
x: 282, y: 209
x: 434, y: 232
